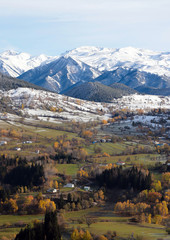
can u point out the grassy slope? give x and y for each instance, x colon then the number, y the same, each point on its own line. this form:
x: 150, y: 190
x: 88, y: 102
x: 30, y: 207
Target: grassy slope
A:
x: 11, y: 219
x: 68, y: 169
x: 108, y: 221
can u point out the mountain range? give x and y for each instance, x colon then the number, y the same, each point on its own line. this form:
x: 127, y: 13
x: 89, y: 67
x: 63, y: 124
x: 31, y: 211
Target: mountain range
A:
x: 144, y: 70
x: 13, y: 63
x: 60, y: 74
x: 134, y: 78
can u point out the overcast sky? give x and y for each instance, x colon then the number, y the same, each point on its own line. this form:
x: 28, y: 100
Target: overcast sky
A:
x: 54, y: 26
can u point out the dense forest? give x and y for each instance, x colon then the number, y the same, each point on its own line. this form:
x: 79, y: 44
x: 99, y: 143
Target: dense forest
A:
x: 25, y: 176
x: 131, y: 178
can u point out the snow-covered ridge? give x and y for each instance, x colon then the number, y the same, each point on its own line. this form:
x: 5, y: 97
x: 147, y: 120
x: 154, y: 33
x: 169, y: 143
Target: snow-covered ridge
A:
x: 129, y: 57
x: 39, y: 103
x: 14, y: 63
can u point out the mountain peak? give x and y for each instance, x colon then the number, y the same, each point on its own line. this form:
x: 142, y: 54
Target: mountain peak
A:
x: 128, y: 57
x: 14, y: 63
x: 9, y: 53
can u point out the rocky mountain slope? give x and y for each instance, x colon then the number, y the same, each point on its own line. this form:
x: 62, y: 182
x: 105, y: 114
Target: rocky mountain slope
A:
x: 60, y: 74
x: 134, y: 78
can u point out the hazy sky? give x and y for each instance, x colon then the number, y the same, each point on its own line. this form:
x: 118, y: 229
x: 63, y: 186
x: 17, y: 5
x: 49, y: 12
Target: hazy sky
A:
x: 54, y: 26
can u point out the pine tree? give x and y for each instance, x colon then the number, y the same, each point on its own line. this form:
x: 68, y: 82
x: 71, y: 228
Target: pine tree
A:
x: 69, y: 198
x: 51, y: 227
x: 49, y: 230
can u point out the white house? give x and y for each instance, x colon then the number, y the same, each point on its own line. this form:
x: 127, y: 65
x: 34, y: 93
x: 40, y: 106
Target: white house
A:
x: 27, y: 142
x: 69, y: 185
x: 52, y: 190
x: 17, y: 149
x: 3, y: 143
x: 86, y: 188
x: 120, y: 163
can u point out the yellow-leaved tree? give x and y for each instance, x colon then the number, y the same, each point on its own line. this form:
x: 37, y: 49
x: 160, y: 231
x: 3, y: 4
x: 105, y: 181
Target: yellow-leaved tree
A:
x: 46, y: 205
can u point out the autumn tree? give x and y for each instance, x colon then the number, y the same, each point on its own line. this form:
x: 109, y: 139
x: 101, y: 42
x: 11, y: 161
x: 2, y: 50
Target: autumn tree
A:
x: 80, y: 235
x: 56, y: 145
x: 104, y: 122
x: 82, y: 173
x: 101, y: 195
x: 87, y: 134
x: 161, y: 209
x: 166, y: 178
x: 55, y: 184
x: 167, y: 196
x: 154, y: 196
x: 149, y: 218
x: 157, y: 186
x: 157, y: 219
x: 10, y: 206
x: 46, y: 205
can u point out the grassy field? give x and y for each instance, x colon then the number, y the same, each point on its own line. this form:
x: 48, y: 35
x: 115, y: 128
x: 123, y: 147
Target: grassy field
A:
x: 107, y: 221
x: 11, y: 219
x: 124, y: 229
x: 68, y: 169
x: 41, y: 137
x: 43, y: 131
x: 110, y: 148
x: 104, y: 221
x: 8, y: 220
x: 145, y: 159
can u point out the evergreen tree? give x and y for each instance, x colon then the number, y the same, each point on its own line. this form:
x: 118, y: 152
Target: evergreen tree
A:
x: 51, y: 227
x: 49, y: 230
x: 69, y: 198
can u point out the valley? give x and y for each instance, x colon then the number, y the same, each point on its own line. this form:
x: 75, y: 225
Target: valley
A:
x: 85, y: 146
x: 74, y: 140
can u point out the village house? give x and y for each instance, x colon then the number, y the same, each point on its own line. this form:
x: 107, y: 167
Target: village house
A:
x: 69, y: 185
x: 120, y: 163
x: 3, y: 143
x: 52, y: 190
x: 17, y: 149
x: 86, y: 188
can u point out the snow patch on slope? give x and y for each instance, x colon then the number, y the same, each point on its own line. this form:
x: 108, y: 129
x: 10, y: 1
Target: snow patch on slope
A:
x: 39, y: 103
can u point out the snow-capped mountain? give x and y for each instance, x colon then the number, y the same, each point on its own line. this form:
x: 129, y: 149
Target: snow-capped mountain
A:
x: 129, y: 57
x: 134, y: 78
x: 60, y: 74
x: 14, y: 64
x: 131, y: 66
